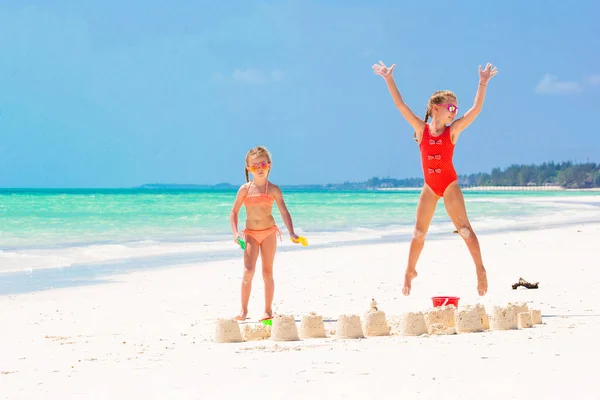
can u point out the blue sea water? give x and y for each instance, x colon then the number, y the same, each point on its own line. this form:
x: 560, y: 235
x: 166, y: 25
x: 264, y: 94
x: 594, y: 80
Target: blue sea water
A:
x: 54, y: 218
x: 142, y: 228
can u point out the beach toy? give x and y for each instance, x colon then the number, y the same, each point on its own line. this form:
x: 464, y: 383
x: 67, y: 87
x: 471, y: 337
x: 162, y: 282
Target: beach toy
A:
x: 268, y: 321
x: 242, y: 243
x: 301, y: 239
x: 441, y: 301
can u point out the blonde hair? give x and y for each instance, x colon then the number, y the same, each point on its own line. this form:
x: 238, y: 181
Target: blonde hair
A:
x: 436, y: 98
x: 256, y: 151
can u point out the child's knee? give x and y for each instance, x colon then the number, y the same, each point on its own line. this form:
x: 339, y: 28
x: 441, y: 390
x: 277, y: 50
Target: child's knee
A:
x: 419, y: 234
x: 249, y: 270
x: 466, y: 232
x: 267, y: 275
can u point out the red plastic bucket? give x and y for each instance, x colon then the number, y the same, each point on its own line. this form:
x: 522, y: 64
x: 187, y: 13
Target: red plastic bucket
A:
x: 440, y: 301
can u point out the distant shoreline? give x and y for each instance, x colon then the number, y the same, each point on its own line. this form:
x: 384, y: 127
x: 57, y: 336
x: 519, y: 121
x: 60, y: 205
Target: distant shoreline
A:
x: 504, y: 189
x: 531, y: 188
x: 312, y: 187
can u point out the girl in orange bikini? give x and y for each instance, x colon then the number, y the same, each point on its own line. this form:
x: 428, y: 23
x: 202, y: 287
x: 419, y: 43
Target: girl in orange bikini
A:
x: 261, y: 232
x: 436, y: 142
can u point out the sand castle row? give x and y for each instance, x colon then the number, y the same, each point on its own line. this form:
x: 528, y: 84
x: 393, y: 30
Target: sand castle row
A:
x: 445, y: 320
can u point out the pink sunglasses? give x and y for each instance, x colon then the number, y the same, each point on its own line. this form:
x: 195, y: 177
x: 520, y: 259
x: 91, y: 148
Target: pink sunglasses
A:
x: 451, y: 107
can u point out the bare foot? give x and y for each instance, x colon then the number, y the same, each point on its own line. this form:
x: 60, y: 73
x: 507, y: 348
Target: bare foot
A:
x: 482, y: 284
x: 266, y: 315
x: 409, y: 275
x: 242, y: 316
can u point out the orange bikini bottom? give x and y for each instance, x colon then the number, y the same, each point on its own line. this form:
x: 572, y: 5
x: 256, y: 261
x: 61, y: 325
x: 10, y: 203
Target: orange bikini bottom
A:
x: 261, y: 235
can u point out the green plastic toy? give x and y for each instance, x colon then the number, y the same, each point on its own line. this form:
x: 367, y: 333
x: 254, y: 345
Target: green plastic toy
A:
x: 267, y: 322
x: 242, y: 243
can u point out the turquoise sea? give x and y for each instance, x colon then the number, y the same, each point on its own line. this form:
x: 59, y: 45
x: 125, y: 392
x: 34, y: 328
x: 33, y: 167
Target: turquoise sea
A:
x: 127, y: 229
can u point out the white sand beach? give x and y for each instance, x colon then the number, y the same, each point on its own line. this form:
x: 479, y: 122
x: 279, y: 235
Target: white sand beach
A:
x: 150, y: 335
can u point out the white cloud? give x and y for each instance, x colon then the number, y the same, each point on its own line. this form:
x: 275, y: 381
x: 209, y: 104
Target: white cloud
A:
x: 594, y: 80
x: 551, y: 85
x: 249, y: 76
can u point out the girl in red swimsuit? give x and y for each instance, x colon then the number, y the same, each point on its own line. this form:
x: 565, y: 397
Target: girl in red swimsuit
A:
x: 261, y: 232
x: 436, y: 142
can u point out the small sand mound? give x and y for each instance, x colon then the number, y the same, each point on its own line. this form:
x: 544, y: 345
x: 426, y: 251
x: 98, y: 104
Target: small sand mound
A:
x: 440, y: 315
x: 284, y: 328
x: 312, y: 326
x: 524, y: 320
x: 375, y: 323
x: 536, y: 317
x: 410, y: 324
x: 485, y: 321
x: 228, y: 331
x: 468, y: 320
x: 436, y: 329
x: 440, y: 329
x: 256, y: 332
x: 349, y: 327
x: 503, y: 318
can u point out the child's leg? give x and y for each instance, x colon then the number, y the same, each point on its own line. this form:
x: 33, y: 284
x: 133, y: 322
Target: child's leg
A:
x: 425, y: 210
x: 455, y: 206
x: 250, y: 257
x: 267, y: 253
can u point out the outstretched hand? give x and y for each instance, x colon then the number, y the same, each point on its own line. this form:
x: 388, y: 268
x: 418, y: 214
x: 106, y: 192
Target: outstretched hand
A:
x: 381, y: 69
x: 486, y: 74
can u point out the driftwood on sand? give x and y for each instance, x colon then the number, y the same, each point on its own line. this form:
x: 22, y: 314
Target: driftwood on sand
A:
x: 524, y: 283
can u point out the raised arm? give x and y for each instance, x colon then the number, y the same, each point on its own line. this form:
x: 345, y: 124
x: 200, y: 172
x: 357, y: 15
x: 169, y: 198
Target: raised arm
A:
x: 285, y: 214
x: 380, y: 69
x: 233, y: 216
x: 461, y: 123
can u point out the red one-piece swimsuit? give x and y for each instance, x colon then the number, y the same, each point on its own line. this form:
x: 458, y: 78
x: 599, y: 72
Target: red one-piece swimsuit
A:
x: 436, y: 158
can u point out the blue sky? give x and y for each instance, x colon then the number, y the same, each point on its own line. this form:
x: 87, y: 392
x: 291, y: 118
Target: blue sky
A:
x: 118, y: 94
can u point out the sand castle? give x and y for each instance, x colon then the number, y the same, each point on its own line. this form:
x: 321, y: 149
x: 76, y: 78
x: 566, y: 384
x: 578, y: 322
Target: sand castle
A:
x: 485, y: 321
x: 284, y: 328
x: 411, y: 324
x: 503, y: 318
x: 312, y: 326
x: 442, y: 317
x: 524, y: 320
x: 468, y: 319
x: 445, y: 320
x: 228, y: 331
x: 375, y: 323
x: 519, y: 307
x: 256, y: 332
x: 349, y: 327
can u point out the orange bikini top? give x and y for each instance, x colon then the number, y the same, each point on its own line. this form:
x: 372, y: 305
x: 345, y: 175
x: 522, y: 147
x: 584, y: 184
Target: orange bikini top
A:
x: 257, y: 199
